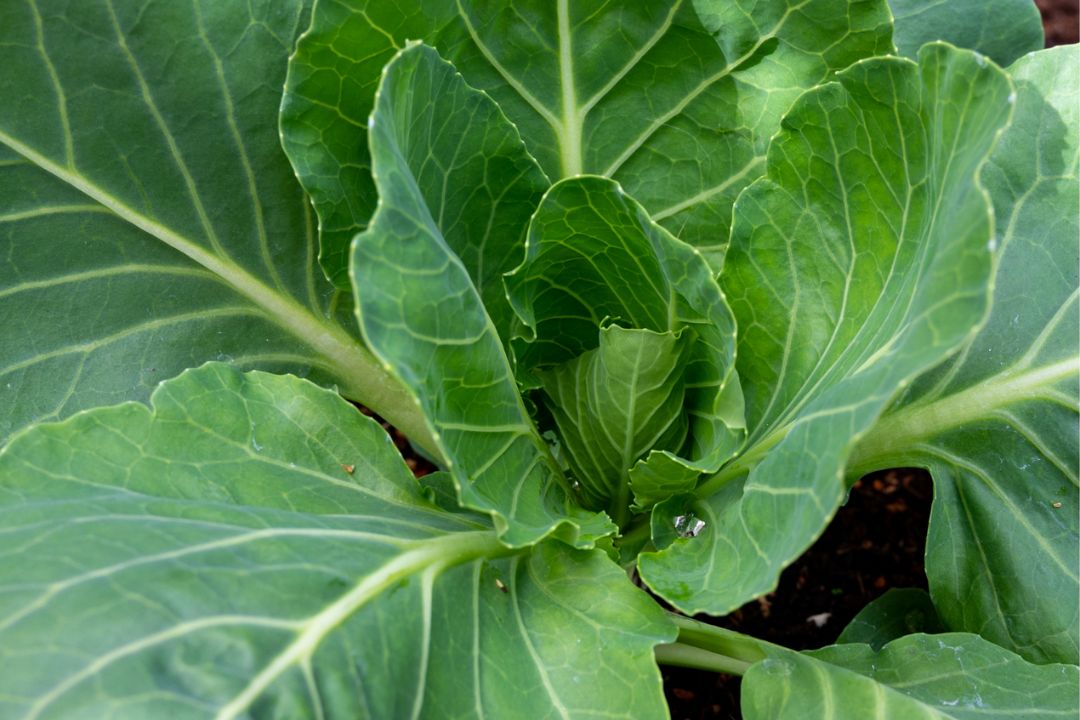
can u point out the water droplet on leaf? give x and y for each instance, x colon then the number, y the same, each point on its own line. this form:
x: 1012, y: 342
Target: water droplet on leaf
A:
x: 688, y: 525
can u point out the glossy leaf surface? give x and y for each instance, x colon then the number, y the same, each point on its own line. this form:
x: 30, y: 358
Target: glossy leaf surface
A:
x: 142, y: 236
x: 998, y: 426
x: 1003, y: 30
x: 862, y: 260
x: 920, y: 676
x: 422, y: 314
x: 676, y: 100
x: 211, y: 557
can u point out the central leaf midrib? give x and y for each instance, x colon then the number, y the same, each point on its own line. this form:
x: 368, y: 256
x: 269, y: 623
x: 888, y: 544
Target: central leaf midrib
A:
x: 426, y: 555
x: 921, y: 422
x: 897, y: 433
x: 708, y: 82
x: 570, y: 140
x: 628, y: 451
x: 362, y: 376
x: 568, y: 126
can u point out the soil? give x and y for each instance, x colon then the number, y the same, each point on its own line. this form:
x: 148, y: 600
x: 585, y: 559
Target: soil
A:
x: 1061, y: 21
x: 876, y: 542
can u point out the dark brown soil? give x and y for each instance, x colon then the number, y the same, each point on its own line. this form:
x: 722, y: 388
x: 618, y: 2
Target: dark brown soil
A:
x: 1061, y: 21
x: 417, y: 464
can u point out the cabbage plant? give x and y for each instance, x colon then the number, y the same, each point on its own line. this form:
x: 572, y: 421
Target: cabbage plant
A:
x: 652, y: 283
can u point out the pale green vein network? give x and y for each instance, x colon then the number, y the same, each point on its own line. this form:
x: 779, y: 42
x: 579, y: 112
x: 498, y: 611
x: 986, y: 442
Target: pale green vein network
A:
x: 144, y: 161
x: 997, y: 425
x: 423, y: 307
x: 57, y: 588
x: 838, y: 313
x: 635, y: 92
x: 173, y: 633
x: 61, y: 99
x: 306, y: 584
x: 238, y: 141
x: 349, y: 360
x: 130, y: 331
x: 945, y: 676
x: 536, y: 659
x: 539, y: 107
x: 704, y: 85
x: 972, y: 467
x: 166, y: 133
x: 749, y: 170
x: 287, y: 312
x: 313, y: 630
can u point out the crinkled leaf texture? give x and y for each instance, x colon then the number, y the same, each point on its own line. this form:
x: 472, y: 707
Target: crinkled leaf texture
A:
x: 420, y: 310
x: 660, y: 476
x: 862, y: 260
x: 616, y: 403
x: 998, y: 426
x: 1003, y: 30
x: 676, y: 100
x: 661, y: 378
x: 951, y: 676
x: 151, y: 221
x: 212, y: 556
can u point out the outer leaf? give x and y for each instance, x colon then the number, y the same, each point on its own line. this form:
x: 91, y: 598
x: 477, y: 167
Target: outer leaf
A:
x: 211, y: 558
x: 860, y: 262
x: 899, y: 612
x: 1003, y: 30
x: 676, y: 108
x: 150, y: 221
x: 421, y: 313
x: 594, y: 254
x: 614, y: 404
x: 998, y: 427
x: 919, y: 676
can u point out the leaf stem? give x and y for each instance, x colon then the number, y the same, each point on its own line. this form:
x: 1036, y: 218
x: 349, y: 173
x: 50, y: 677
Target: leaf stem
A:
x: 721, y: 641
x: 689, y: 656
x: 639, y: 526
x: 743, y: 464
x: 707, y: 647
x: 368, y: 383
x: 890, y: 441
